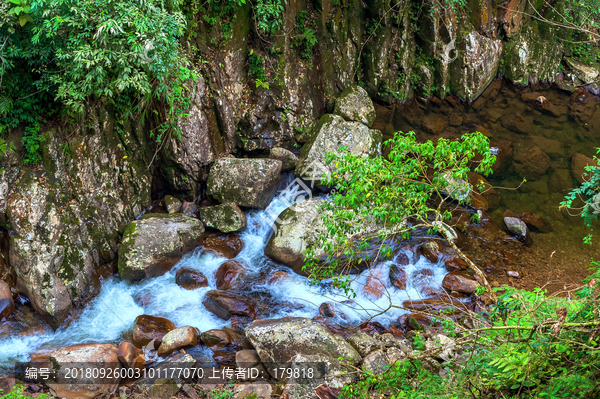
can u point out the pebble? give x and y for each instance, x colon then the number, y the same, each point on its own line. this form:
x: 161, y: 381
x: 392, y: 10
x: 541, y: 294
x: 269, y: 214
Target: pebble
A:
x: 511, y: 273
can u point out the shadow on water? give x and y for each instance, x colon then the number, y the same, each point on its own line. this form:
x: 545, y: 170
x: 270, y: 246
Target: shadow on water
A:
x: 537, y: 133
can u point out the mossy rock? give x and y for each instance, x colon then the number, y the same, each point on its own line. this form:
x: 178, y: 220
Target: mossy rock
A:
x: 331, y: 133
x: 354, y: 105
x: 152, y: 244
x: 226, y: 218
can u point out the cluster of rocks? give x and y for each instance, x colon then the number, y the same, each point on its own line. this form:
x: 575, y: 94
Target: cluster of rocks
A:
x: 264, y: 346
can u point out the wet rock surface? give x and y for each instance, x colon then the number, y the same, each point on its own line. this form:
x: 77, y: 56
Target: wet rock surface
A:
x: 150, y: 328
x: 225, y: 305
x: 226, y: 246
x: 190, y: 279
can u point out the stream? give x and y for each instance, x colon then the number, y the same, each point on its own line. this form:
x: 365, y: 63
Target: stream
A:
x: 109, y: 318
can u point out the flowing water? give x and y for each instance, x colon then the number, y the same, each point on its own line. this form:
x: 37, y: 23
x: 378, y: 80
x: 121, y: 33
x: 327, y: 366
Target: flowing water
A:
x: 557, y: 258
x: 110, y: 316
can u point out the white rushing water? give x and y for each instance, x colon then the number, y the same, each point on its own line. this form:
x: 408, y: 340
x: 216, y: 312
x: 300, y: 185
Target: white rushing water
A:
x: 110, y: 315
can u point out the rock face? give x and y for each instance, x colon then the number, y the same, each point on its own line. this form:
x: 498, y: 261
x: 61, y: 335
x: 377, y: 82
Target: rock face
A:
x: 65, y: 216
x: 578, y: 164
x: 354, y: 105
x: 83, y: 356
x: 150, y: 328
x: 296, y: 229
x: 190, y: 279
x: 225, y: 304
x: 226, y: 217
x: 246, y: 182
x: 7, y: 306
x: 331, y: 133
x: 277, y: 341
x: 150, y: 244
x: 476, y: 66
x: 177, y: 339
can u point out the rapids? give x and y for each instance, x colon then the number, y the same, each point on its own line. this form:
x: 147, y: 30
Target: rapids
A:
x: 110, y: 316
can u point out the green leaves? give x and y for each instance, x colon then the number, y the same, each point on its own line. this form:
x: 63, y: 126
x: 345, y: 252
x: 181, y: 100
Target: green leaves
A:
x: 585, y: 199
x: 374, y: 198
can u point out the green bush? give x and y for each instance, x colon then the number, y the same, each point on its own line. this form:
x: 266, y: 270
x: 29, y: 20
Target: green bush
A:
x: 529, y: 346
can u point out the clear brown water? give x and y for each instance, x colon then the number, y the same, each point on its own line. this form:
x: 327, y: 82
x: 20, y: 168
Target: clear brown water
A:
x: 568, y: 123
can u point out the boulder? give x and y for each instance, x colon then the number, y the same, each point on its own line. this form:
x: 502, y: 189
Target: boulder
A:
x: 252, y: 391
x: 190, y: 279
x: 326, y: 310
x: 331, y: 133
x: 278, y: 341
x: 354, y: 105
x: 189, y: 209
x: 230, y: 275
x: 154, y: 243
x: 226, y: 217
x: 398, y: 277
x: 516, y: 227
x: 476, y: 66
x: 177, y: 339
x: 130, y: 356
x: 431, y: 250
x: 226, y: 246
x: 363, y: 342
x: 288, y: 159
x: 516, y: 123
x: 246, y: 182
x: 7, y: 305
x: 578, y: 164
x: 172, y: 204
x: 536, y: 222
x: 296, y: 229
x: 83, y: 356
x: 224, y: 305
x: 561, y: 181
x: 163, y: 388
x: 583, y: 72
x: 503, y: 150
x: 376, y: 362
x: 374, y: 286
x: 485, y: 189
x: 459, y: 283
x: 148, y: 328
x: 531, y: 162
x: 435, y: 124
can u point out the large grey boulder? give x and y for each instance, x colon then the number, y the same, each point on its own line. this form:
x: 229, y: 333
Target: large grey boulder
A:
x: 354, y: 105
x: 247, y: 182
x: 297, y: 229
x: 331, y: 133
x: 278, y: 341
x: 150, y: 242
x: 226, y: 217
